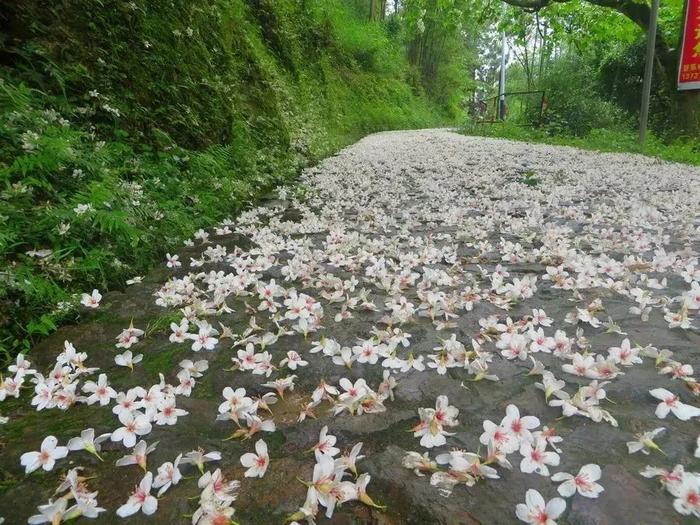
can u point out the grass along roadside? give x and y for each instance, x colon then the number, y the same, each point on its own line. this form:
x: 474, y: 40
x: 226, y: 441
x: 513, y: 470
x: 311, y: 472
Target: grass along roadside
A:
x: 683, y: 151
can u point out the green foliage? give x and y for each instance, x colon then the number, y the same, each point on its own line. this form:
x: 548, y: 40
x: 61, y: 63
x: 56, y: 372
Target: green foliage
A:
x: 574, y: 105
x: 529, y: 178
x: 681, y: 150
x: 437, y: 34
x: 619, y: 76
x: 126, y: 126
x: 591, y: 63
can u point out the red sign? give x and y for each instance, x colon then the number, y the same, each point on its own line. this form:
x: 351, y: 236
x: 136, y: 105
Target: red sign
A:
x: 689, y: 68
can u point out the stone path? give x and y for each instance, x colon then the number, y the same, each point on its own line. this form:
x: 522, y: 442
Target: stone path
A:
x: 427, y: 233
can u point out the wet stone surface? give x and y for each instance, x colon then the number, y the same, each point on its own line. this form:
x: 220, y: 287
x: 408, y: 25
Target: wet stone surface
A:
x: 427, y: 218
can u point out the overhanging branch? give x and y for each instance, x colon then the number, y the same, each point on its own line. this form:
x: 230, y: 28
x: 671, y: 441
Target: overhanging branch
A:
x: 637, y: 12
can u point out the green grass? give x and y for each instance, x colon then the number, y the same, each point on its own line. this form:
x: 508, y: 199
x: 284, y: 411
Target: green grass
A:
x: 684, y: 151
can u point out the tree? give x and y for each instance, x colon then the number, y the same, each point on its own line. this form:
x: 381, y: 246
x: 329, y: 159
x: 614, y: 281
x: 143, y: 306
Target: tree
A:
x: 687, y: 105
x: 377, y: 10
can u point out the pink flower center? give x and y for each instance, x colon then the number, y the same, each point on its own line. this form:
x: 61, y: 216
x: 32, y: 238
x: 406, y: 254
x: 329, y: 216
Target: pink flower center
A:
x: 671, y: 401
x: 671, y: 477
x: 220, y: 519
x: 582, y: 481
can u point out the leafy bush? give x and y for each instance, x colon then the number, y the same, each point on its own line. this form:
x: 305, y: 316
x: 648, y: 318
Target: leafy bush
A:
x: 575, y: 107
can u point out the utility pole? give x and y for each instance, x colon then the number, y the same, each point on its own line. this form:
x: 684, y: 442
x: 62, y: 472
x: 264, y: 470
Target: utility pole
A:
x: 502, y: 80
x: 648, y: 71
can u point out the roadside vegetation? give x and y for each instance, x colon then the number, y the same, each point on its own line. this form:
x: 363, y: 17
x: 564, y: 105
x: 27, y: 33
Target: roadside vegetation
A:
x: 597, y: 139
x: 126, y: 126
x: 588, y: 62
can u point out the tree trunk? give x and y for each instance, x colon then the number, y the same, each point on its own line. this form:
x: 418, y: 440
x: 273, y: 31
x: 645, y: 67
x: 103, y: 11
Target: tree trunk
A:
x: 689, y: 113
x: 377, y: 10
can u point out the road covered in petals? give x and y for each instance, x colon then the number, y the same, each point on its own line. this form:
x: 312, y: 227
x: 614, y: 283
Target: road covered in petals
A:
x: 428, y: 328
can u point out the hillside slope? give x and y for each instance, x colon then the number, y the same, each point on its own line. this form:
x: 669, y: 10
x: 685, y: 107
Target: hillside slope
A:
x: 126, y: 126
